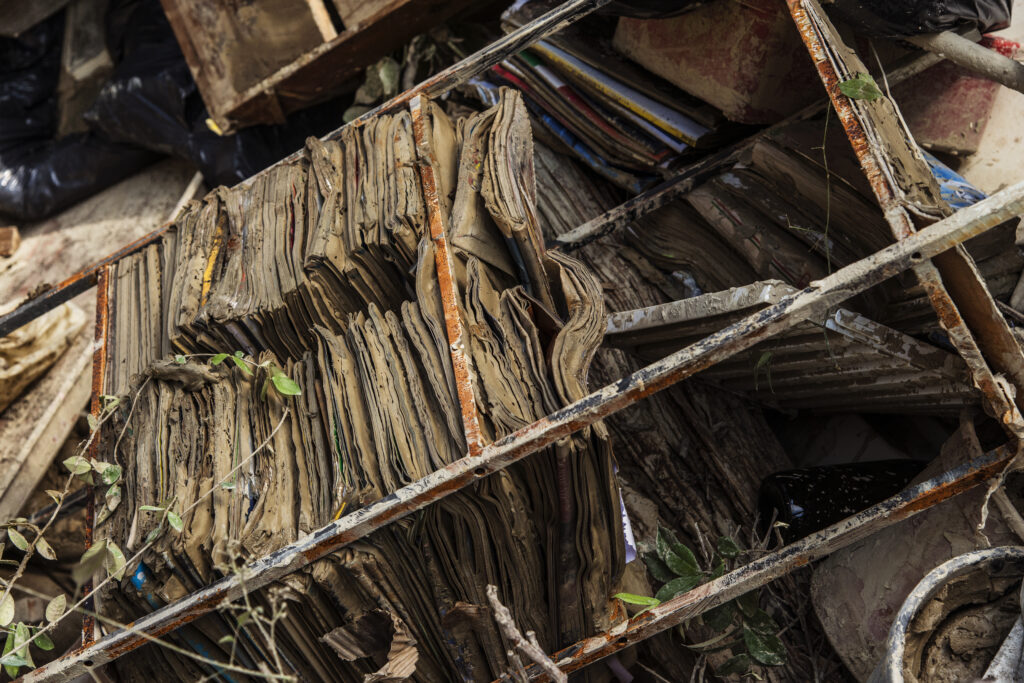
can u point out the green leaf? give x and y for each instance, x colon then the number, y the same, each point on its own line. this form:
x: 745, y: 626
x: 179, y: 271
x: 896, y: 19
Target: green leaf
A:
x: 43, y: 642
x: 861, y: 87
x: 90, y: 563
x: 761, y: 622
x: 218, y: 358
x: 748, y: 603
x: 11, y: 662
x: 659, y: 570
x: 94, y: 424
x: 239, y: 354
x: 226, y: 639
x: 175, y: 521
x: 56, y: 607
x: 633, y: 599
x: 767, y: 649
x: 243, y: 619
x: 21, y: 636
x: 57, y: 496
x: 727, y: 547
x: 677, y: 556
x: 7, y: 610
x: 113, y: 497
x: 740, y: 664
x: 237, y: 360
x: 228, y: 485
x: 111, y: 474
x: 718, y: 570
x: 115, y: 561
x: 17, y: 539
x: 719, y: 618
x: 154, y: 534
x: 77, y: 464
x: 44, y: 549
x: 180, y: 359
x: 676, y: 587
x: 150, y: 508
x: 285, y: 384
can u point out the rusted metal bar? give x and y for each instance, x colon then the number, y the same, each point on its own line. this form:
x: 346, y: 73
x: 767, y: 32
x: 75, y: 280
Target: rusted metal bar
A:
x: 818, y: 297
x: 447, y: 284
x: 622, y: 215
x: 80, y: 282
x: 99, y: 365
x: 971, y: 319
x: 761, y: 571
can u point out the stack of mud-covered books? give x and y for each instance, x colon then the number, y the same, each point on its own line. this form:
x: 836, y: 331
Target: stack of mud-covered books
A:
x: 322, y: 270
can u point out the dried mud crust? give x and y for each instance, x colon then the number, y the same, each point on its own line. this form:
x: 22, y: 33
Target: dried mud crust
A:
x: 955, y: 635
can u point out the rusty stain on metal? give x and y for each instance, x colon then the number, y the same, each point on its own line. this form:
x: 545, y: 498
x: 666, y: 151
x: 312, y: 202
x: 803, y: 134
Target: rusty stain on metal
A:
x: 761, y: 571
x: 80, y: 282
x: 99, y: 361
x: 446, y: 281
x: 902, y: 227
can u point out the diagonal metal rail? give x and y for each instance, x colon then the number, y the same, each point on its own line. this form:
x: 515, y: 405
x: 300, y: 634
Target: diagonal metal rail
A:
x: 791, y: 310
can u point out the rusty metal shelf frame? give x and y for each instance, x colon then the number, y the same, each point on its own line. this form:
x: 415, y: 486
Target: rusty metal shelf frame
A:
x: 812, y: 301
x: 913, y: 251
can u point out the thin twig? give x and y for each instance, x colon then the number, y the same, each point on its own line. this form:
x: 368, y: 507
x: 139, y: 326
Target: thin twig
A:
x: 173, y: 648
x: 530, y: 648
x: 146, y: 546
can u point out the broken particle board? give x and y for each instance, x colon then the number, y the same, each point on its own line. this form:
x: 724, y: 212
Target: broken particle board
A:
x: 33, y: 428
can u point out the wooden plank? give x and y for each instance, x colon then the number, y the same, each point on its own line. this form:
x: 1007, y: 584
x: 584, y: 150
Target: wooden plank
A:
x: 318, y: 74
x: 231, y: 46
x: 34, y: 427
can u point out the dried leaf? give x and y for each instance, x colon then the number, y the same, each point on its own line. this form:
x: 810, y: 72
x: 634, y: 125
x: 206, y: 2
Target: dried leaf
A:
x: 56, y: 607
x: 7, y: 610
x: 77, y: 464
x: 115, y: 561
x: 57, y: 496
x: 17, y: 539
x: 44, y: 549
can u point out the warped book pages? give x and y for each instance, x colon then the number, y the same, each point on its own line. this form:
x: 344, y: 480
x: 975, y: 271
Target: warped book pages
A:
x: 323, y: 268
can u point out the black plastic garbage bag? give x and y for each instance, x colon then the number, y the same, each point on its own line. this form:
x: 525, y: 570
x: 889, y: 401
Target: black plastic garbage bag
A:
x: 38, y: 175
x: 895, y: 18
x: 152, y: 101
